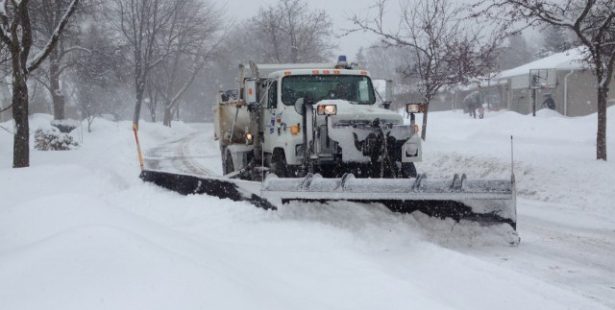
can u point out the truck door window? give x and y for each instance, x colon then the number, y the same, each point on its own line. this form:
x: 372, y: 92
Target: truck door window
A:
x: 363, y: 91
x: 272, y: 95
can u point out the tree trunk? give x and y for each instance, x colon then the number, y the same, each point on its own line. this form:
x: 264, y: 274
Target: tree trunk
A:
x: 601, y: 135
x: 152, y: 103
x: 294, y: 54
x: 21, y: 141
x: 168, y: 116
x: 424, y: 130
x: 56, y: 90
x: 140, y: 89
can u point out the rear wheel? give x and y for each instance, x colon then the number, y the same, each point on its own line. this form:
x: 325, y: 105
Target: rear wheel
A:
x: 408, y: 170
x: 278, y: 164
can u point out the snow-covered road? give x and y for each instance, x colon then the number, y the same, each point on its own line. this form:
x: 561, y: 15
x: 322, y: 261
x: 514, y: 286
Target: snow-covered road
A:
x: 572, y: 249
x: 79, y: 230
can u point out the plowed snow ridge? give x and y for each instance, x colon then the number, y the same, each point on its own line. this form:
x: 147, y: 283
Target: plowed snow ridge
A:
x: 79, y: 230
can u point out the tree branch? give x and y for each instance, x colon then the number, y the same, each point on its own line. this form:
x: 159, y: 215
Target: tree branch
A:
x: 6, y: 108
x: 38, y: 59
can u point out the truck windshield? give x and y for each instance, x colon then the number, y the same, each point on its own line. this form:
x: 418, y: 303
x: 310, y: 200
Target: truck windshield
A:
x: 354, y: 88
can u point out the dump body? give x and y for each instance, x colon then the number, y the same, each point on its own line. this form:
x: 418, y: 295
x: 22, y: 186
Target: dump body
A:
x: 231, y: 121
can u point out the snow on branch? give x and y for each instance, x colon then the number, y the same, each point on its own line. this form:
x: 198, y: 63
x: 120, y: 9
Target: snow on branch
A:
x: 76, y: 48
x: 53, y: 40
x: 4, y: 34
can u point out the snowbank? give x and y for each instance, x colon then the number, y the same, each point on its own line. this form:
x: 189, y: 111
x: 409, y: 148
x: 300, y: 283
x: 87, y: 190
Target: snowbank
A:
x: 79, y: 230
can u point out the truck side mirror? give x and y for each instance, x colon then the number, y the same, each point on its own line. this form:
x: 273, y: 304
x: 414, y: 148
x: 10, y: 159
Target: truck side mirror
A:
x: 299, y: 106
x: 301, y: 102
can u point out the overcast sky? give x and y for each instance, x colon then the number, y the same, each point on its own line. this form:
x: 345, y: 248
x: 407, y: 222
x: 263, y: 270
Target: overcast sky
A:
x: 339, y: 10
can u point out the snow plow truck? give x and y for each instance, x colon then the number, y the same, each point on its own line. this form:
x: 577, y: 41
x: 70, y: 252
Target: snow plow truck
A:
x: 320, y: 133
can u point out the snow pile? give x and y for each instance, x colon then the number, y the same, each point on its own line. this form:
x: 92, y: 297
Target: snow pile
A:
x: 548, y: 113
x: 65, y: 125
x: 554, y: 155
x: 79, y: 230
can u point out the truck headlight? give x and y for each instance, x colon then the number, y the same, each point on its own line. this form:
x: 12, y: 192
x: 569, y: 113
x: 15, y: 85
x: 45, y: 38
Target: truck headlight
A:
x: 249, y: 138
x: 327, y: 109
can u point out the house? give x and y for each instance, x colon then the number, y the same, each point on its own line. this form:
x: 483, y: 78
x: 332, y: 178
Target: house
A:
x: 566, y: 77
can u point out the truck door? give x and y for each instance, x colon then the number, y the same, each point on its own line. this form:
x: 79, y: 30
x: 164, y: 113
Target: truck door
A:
x: 270, y: 123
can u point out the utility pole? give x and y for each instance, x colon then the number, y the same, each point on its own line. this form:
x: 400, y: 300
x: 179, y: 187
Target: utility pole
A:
x: 534, y: 102
x: 534, y: 85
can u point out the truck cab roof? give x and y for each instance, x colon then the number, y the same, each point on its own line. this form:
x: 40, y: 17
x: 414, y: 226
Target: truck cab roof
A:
x: 279, y: 70
x: 317, y: 71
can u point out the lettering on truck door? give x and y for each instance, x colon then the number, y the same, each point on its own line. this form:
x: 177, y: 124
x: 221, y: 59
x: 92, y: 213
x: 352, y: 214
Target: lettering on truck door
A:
x: 270, y: 128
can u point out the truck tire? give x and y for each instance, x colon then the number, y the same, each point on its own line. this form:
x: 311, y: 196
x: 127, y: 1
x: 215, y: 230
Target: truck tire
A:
x: 278, y: 164
x: 408, y: 170
x: 227, y: 163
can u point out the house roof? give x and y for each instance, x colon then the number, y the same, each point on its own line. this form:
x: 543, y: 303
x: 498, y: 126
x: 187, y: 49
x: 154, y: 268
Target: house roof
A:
x: 570, y: 59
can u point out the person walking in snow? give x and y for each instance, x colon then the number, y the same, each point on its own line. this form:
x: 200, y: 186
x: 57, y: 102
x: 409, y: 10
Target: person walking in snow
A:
x: 548, y: 102
x: 473, y: 102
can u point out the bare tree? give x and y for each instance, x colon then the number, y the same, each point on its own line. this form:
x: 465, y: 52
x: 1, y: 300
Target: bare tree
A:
x: 291, y: 32
x: 514, y: 53
x: 153, y: 97
x: 384, y: 62
x: 16, y: 34
x: 593, y: 22
x: 98, y: 76
x: 4, y: 72
x: 443, y: 50
x: 555, y: 40
x: 45, y: 16
x: 141, y: 23
x: 189, y: 40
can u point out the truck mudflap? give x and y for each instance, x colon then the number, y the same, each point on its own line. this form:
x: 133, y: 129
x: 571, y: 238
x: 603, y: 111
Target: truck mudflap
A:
x: 487, y: 202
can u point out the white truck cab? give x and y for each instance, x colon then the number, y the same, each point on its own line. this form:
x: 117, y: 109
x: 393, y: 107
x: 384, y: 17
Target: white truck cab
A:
x: 307, y: 118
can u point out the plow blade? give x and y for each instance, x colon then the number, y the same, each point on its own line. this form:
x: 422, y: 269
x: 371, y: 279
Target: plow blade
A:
x: 220, y: 187
x: 487, y: 202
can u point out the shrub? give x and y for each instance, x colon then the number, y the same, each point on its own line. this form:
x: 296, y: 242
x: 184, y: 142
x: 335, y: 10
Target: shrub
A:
x: 65, y: 125
x: 53, y: 140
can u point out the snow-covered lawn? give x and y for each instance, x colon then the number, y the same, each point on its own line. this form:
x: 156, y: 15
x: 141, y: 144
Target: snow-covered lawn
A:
x: 79, y: 230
